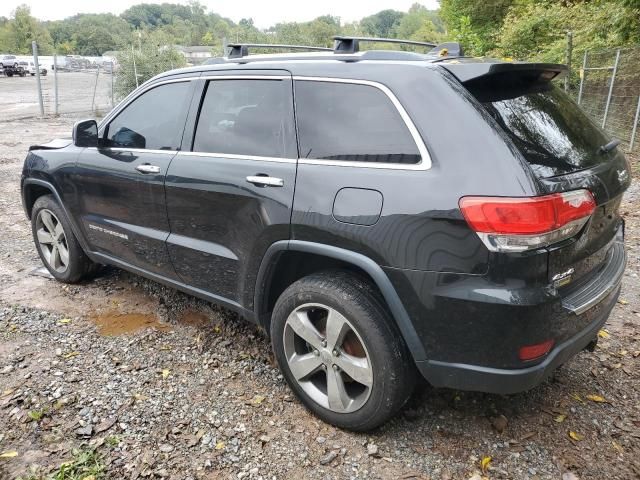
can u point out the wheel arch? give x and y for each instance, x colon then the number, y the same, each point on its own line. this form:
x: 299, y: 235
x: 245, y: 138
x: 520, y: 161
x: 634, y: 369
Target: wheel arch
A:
x: 278, y: 259
x: 34, y: 188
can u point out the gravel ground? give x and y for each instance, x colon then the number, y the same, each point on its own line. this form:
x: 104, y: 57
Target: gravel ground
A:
x: 123, y: 378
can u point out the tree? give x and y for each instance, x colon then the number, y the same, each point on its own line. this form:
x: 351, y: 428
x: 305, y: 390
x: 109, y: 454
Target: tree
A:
x: 146, y: 63
x: 381, y: 24
x: 536, y: 30
x: 475, y: 23
x: 23, y: 29
x: 417, y: 24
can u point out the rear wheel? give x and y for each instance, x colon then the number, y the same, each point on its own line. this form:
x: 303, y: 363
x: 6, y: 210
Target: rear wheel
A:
x: 339, y: 351
x: 57, y: 246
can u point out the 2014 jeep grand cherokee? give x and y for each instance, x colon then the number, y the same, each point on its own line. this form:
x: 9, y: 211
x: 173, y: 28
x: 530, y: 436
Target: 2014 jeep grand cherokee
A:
x: 379, y: 213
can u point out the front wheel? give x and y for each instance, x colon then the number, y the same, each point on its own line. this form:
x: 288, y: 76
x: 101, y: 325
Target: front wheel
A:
x: 340, y: 352
x: 57, y: 246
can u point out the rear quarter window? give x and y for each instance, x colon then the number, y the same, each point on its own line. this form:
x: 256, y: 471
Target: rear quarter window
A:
x: 351, y: 122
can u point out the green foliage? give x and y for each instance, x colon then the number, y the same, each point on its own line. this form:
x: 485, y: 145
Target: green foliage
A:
x: 36, y: 415
x: 421, y: 25
x: 17, y: 33
x: 536, y: 30
x: 85, y: 463
x: 381, y: 24
x: 153, y: 58
x: 89, y: 34
x: 475, y: 23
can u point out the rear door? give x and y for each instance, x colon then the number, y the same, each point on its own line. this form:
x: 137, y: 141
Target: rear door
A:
x: 230, y: 197
x: 120, y: 196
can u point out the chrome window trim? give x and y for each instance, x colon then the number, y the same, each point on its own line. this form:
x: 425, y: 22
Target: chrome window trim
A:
x: 246, y: 77
x: 425, y: 158
x: 234, y: 156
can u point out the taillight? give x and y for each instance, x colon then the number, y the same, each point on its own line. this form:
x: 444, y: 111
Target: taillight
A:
x: 515, y: 224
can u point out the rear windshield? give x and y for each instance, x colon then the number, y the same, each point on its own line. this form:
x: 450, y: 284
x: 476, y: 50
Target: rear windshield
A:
x: 550, y: 130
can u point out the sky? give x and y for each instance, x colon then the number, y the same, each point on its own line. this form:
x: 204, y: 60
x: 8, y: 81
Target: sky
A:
x: 265, y: 13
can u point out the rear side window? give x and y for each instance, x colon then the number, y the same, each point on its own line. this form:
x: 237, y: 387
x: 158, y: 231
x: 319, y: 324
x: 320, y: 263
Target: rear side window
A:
x: 351, y: 122
x: 553, y: 134
x: 153, y: 121
x: 247, y: 117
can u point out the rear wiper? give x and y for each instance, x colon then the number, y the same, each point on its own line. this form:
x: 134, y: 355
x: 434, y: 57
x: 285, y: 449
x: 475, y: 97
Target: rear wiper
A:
x: 607, y: 147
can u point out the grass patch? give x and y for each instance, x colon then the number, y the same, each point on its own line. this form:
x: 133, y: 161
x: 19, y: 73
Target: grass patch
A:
x: 113, y: 440
x: 85, y: 464
x: 36, y: 415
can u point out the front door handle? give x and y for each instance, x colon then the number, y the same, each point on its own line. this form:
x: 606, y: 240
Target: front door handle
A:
x: 147, y: 168
x: 265, y: 181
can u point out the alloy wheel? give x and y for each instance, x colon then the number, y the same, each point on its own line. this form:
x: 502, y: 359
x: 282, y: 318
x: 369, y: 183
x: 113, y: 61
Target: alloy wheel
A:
x: 52, y: 240
x: 328, y: 358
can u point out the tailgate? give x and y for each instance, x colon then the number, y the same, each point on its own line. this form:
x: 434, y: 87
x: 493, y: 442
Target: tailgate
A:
x: 591, y: 247
x: 563, y: 148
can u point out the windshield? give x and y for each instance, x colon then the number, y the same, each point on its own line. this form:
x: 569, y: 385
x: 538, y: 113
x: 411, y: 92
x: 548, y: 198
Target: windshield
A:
x: 550, y: 130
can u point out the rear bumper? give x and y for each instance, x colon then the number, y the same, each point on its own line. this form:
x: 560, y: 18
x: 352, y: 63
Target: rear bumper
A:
x: 504, y: 381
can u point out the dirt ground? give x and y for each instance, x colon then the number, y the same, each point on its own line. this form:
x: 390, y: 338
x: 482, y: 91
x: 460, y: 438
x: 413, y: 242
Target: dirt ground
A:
x: 123, y: 378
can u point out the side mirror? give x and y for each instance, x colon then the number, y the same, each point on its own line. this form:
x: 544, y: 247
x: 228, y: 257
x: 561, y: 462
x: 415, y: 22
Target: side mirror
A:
x: 85, y: 133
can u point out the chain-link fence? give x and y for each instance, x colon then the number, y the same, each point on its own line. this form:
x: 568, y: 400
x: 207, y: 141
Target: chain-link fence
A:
x: 79, y: 86
x: 610, y: 92
x: 84, y: 88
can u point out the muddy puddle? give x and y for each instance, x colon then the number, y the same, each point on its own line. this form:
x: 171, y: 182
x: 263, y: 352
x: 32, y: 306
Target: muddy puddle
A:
x: 112, y: 324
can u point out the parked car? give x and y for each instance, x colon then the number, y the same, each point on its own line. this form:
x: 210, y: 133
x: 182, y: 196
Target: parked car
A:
x: 31, y: 68
x: 76, y: 62
x: 425, y: 214
x: 8, y: 61
x: 10, y: 66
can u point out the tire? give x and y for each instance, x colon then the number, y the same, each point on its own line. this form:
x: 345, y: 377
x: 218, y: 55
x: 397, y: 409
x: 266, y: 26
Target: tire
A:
x: 368, y: 347
x: 46, y: 217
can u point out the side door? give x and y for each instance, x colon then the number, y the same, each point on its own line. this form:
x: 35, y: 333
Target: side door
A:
x: 120, y: 185
x: 230, y: 197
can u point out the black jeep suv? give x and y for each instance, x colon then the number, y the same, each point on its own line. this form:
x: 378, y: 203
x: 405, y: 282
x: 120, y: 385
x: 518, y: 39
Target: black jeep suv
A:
x: 379, y: 213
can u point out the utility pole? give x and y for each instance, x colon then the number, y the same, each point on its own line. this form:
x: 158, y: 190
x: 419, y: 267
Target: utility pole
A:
x: 34, y: 48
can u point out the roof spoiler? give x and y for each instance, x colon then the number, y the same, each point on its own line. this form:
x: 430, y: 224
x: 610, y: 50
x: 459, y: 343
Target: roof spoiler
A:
x: 485, y: 72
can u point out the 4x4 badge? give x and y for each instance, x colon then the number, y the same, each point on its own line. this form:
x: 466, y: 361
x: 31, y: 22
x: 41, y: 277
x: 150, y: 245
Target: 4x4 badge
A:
x: 561, y: 279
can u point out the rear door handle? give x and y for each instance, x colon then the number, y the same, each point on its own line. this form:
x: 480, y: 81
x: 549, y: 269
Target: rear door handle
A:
x: 265, y: 181
x: 146, y: 168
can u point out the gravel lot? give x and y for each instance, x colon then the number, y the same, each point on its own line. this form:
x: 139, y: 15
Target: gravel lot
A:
x: 19, y: 95
x: 123, y: 378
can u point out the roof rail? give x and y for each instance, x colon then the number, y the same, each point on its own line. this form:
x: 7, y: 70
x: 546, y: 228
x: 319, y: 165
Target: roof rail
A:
x: 352, y: 44
x: 239, y: 50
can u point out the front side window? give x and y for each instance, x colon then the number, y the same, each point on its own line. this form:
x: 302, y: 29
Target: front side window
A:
x: 153, y: 121
x: 247, y: 117
x: 351, y: 122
